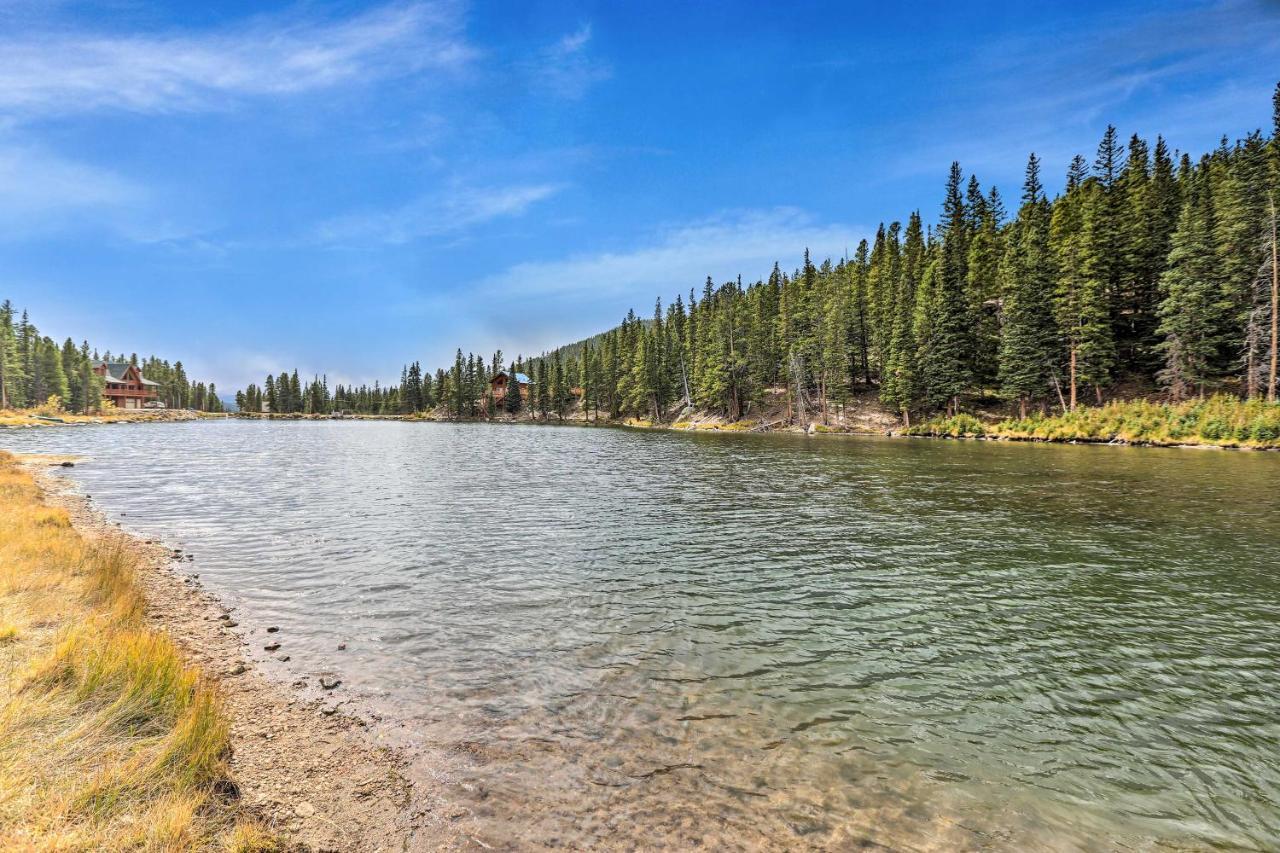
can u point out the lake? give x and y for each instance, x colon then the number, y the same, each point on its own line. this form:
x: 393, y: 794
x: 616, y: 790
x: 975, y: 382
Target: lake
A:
x: 605, y: 637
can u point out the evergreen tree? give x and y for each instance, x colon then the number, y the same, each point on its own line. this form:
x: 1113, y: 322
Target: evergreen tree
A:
x: 559, y: 390
x: 986, y: 248
x: 12, y: 379
x: 1027, y: 339
x: 459, y: 404
x: 946, y: 366
x: 1093, y: 331
x: 1191, y: 315
x: 899, y: 383
x: 512, y: 400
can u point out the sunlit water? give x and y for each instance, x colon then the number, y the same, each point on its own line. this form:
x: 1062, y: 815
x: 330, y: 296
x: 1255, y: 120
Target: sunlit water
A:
x: 616, y: 638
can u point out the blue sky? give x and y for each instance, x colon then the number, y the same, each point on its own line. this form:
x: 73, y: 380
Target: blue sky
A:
x: 344, y: 187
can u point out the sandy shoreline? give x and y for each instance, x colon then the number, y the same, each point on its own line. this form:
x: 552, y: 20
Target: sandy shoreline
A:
x: 306, y: 770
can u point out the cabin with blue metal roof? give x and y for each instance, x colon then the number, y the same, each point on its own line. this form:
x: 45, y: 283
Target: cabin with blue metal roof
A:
x: 498, y: 385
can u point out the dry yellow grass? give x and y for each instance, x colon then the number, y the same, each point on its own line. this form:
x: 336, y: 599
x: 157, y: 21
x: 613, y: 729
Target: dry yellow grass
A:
x: 32, y: 417
x: 1221, y: 421
x: 109, y: 740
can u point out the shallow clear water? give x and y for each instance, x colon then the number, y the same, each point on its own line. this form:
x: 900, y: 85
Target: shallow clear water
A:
x: 609, y: 637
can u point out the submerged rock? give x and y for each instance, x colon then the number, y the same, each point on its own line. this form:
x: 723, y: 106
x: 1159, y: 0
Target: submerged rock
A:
x: 271, y: 647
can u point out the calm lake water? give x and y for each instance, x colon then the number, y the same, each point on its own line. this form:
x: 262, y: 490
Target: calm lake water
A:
x: 613, y: 638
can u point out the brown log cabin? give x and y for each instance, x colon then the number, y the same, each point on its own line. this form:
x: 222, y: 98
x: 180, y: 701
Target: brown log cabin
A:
x: 498, y: 385
x: 126, y: 387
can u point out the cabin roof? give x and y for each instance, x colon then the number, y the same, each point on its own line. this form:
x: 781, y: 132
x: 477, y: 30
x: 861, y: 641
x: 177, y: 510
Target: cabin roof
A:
x: 117, y: 371
x: 522, y: 378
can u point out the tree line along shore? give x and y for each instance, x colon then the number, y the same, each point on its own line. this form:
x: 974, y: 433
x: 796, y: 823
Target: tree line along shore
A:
x: 1148, y: 284
x: 40, y: 377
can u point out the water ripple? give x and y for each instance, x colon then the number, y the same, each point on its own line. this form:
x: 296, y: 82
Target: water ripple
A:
x: 757, y: 642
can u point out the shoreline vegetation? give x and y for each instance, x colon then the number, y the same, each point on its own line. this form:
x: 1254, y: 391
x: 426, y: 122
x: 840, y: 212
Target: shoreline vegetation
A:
x: 132, y: 719
x: 46, y: 416
x: 1219, y: 421
x: 109, y: 738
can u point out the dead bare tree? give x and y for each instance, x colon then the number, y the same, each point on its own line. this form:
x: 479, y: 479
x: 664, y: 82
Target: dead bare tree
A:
x: 796, y: 366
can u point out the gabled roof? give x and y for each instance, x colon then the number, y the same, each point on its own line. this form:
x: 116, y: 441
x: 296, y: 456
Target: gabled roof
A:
x: 117, y: 371
x: 523, y: 379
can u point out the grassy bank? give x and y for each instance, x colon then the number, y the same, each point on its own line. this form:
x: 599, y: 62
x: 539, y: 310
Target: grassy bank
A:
x: 108, y: 739
x: 46, y: 417
x: 1219, y: 421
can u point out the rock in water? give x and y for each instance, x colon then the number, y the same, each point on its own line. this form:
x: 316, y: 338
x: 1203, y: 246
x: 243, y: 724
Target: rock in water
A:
x: 273, y: 629
x: 271, y: 647
x: 329, y: 683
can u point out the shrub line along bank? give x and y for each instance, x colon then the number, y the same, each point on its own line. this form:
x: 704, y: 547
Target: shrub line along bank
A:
x: 1218, y: 421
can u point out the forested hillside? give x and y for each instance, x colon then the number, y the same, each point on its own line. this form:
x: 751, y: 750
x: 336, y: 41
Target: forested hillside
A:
x: 34, y: 368
x: 1151, y: 272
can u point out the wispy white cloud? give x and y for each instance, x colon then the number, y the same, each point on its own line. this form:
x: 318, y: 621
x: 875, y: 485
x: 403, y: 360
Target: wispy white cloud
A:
x: 39, y: 191
x: 1175, y: 71
x: 521, y: 309
x: 59, y: 73
x: 566, y: 68
x: 678, y: 257
x: 433, y: 215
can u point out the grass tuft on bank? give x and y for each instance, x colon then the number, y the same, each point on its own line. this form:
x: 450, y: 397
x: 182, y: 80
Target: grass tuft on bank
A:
x: 52, y: 416
x: 1220, y: 421
x: 109, y: 739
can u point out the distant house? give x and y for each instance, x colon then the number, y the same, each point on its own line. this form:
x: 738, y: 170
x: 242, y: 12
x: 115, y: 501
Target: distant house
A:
x: 498, y: 385
x: 126, y: 387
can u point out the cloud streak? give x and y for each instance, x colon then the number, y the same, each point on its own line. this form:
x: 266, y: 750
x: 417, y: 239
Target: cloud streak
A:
x: 566, y: 69
x: 679, y: 257
x: 59, y: 73
x: 40, y: 191
x: 1174, y: 71
x: 601, y: 286
x: 433, y: 215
